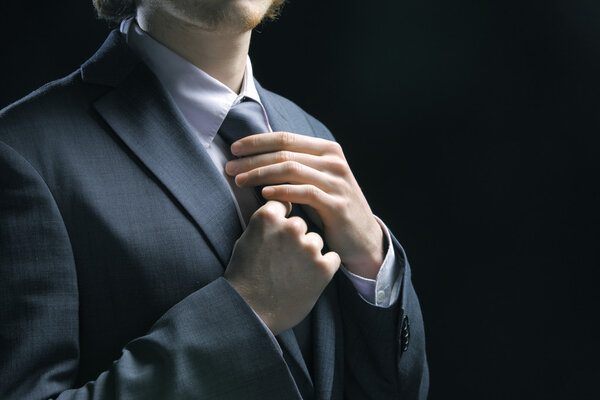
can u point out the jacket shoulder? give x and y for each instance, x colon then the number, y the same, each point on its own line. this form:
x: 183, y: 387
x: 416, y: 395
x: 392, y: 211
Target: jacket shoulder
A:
x: 55, y: 105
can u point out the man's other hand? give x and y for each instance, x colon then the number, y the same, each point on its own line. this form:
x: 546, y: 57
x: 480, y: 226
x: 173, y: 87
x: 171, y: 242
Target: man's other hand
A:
x: 278, y: 268
x: 314, y: 171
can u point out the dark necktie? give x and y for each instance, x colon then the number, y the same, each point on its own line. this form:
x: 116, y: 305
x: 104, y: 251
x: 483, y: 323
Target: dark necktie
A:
x: 244, y: 119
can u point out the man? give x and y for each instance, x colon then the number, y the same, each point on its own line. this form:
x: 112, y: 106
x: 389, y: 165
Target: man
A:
x: 138, y: 260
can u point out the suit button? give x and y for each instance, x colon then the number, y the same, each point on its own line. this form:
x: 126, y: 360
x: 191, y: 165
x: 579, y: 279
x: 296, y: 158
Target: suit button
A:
x: 405, y: 334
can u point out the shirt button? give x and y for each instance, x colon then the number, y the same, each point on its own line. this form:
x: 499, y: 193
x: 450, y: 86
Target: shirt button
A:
x: 380, y: 296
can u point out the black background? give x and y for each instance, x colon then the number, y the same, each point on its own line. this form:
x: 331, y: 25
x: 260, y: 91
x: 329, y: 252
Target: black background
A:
x: 472, y: 127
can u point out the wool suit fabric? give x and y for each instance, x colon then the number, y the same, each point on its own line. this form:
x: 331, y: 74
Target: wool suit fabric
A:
x: 115, y: 231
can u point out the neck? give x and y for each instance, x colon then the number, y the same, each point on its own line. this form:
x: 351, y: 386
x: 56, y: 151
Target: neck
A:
x: 222, y: 55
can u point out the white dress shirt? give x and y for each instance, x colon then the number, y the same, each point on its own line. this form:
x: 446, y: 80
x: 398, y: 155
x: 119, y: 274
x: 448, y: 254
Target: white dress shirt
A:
x: 205, y: 102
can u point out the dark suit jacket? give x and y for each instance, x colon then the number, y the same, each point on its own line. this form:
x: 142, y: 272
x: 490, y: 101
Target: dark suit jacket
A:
x: 115, y: 229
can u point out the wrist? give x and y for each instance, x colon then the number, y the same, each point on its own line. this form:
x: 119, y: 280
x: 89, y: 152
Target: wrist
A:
x: 368, y: 268
x: 265, y: 316
x: 367, y: 262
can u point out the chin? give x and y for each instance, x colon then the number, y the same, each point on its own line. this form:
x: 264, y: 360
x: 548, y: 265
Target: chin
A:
x: 225, y: 16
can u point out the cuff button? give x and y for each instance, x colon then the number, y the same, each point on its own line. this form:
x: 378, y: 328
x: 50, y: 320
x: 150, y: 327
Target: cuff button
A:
x: 405, y: 334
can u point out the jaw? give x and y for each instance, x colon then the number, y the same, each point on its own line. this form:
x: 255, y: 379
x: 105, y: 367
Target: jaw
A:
x: 218, y: 16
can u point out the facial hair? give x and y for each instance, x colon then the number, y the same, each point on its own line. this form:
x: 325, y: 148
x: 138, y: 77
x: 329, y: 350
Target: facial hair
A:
x: 227, y: 16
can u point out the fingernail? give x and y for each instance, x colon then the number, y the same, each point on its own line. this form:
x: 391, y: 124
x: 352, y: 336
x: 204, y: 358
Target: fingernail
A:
x: 236, y: 148
x: 241, y: 178
x: 268, y: 191
x: 230, y: 168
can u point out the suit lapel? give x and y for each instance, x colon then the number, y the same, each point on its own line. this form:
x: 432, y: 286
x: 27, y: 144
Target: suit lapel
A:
x: 327, y: 341
x: 146, y: 120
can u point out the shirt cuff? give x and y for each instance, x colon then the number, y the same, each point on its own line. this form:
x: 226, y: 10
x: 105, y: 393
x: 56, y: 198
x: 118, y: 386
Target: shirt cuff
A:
x: 384, y: 291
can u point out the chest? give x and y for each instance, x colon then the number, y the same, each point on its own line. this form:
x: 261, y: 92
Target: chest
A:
x: 136, y: 249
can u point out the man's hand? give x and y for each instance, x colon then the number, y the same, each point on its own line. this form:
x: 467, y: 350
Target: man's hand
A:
x: 278, y: 268
x: 314, y: 171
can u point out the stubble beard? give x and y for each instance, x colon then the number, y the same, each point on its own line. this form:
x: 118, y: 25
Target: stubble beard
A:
x: 220, y: 16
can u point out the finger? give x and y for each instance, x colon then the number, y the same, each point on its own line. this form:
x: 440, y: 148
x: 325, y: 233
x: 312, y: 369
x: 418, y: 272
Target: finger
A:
x: 246, y: 164
x: 275, y: 141
x: 298, y: 224
x: 331, y: 262
x: 300, y: 194
x: 287, y: 172
x: 315, y: 241
x: 276, y: 208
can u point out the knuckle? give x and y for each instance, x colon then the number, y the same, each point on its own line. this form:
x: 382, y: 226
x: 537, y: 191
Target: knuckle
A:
x: 342, y: 205
x: 331, y: 261
x: 336, y: 260
x: 292, y: 167
x: 337, y: 165
x: 307, y: 245
x: 313, y: 243
x: 250, y: 163
x: 283, y: 156
x: 318, y: 241
x: 296, y: 224
x: 313, y: 193
x: 265, y: 213
x: 338, y: 183
x: 335, y: 148
x: 324, y: 264
x: 286, y: 139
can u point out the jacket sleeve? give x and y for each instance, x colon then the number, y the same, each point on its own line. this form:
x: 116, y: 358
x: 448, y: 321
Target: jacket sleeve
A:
x: 209, y: 345
x: 376, y: 366
x: 379, y: 363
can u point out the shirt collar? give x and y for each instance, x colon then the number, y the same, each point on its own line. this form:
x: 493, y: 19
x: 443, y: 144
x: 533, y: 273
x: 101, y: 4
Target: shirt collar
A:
x: 203, y: 100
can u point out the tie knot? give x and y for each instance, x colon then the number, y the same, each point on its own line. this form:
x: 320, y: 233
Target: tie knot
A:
x: 243, y: 119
